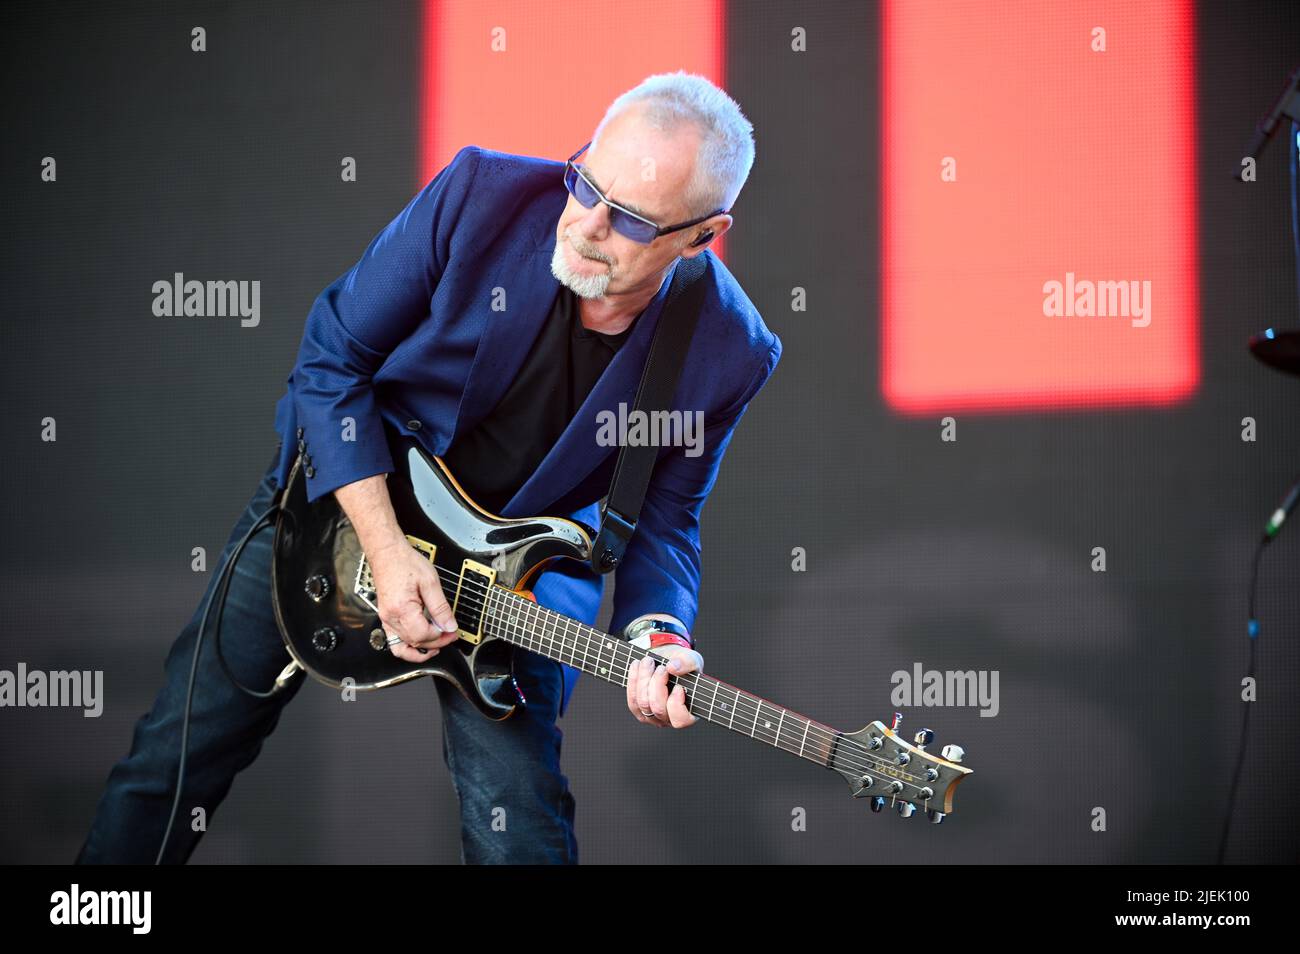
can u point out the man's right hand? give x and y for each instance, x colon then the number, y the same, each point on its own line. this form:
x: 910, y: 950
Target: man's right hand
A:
x: 407, y: 584
x: 405, y: 581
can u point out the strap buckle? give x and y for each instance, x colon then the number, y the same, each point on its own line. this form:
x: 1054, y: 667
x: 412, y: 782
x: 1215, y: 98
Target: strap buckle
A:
x: 611, y: 542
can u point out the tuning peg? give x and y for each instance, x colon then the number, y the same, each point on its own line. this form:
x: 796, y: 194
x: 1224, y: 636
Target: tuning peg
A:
x: 905, y: 809
x: 923, y: 738
x: 953, y: 753
x: 935, y: 816
x: 864, y: 783
x: 877, y: 803
x: 904, y: 757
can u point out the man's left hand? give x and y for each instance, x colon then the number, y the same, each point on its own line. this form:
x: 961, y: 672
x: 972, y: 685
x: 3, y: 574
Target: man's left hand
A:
x: 648, y: 698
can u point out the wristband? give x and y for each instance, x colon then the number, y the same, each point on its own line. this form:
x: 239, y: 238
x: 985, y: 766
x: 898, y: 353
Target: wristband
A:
x: 668, y: 639
x: 645, y: 632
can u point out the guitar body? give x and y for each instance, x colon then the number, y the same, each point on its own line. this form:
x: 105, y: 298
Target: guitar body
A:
x: 326, y: 608
x: 324, y: 599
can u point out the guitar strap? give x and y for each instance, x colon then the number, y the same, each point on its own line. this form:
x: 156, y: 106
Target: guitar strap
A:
x: 659, y: 379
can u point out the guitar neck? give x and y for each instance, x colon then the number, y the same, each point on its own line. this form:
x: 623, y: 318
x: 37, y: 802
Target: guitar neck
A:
x: 520, y: 621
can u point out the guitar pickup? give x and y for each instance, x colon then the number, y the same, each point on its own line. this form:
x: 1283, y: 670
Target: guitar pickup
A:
x: 473, y: 586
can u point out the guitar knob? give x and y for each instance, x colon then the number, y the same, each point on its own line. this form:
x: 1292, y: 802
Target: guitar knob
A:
x: 874, y: 742
x: 864, y: 783
x: 895, y: 787
x: 953, y: 753
x: 324, y: 640
x: 926, y: 794
x: 905, y: 809
x: 904, y: 758
x: 877, y: 803
x: 931, y: 773
x: 923, y: 738
x: 936, y: 817
x: 317, y: 587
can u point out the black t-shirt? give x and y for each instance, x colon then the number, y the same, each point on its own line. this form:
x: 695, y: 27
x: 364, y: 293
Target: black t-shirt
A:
x: 498, y: 456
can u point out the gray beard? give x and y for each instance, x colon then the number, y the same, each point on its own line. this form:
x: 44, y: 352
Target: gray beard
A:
x: 584, y: 286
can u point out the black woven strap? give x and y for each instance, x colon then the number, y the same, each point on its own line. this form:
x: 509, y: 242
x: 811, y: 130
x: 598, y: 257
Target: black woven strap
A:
x: 663, y: 369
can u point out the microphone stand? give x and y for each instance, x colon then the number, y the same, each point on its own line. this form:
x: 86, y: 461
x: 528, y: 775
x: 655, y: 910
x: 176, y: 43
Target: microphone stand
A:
x: 1280, y: 350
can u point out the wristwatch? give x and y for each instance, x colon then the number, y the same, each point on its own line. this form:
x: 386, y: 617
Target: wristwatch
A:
x: 652, y: 633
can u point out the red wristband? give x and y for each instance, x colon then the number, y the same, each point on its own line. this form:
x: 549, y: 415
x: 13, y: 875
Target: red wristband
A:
x: 663, y: 639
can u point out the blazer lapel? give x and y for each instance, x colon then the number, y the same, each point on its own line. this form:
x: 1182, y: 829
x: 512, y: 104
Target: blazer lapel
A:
x: 576, y: 454
x: 507, y: 335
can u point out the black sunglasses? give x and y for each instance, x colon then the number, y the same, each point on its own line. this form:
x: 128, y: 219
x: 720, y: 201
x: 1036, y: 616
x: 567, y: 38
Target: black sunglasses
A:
x: 624, y: 221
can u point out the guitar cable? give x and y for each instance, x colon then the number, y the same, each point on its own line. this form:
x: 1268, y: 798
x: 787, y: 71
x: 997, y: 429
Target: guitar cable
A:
x: 223, y: 585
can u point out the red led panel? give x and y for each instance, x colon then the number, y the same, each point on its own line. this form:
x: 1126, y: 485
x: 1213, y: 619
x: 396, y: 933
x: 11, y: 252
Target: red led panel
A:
x: 534, y: 78
x: 1072, y: 166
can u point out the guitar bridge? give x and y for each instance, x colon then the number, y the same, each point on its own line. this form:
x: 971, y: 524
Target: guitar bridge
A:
x: 364, y: 585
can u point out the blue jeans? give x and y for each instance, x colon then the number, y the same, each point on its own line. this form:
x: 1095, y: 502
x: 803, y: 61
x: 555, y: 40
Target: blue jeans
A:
x: 515, y: 803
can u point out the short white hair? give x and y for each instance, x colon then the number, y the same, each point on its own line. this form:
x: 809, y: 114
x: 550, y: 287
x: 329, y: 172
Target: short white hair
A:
x: 726, y: 152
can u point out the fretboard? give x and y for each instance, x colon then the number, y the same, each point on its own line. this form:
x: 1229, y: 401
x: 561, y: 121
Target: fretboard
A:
x: 519, y: 620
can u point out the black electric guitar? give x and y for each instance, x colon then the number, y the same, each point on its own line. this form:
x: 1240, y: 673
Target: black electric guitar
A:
x: 325, y: 605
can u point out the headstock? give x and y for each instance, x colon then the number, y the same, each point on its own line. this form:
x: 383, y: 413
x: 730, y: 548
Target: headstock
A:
x: 878, y: 764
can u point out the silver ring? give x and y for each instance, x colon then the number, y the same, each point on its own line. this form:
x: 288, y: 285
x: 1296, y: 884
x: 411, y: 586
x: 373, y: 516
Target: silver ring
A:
x: 393, y: 640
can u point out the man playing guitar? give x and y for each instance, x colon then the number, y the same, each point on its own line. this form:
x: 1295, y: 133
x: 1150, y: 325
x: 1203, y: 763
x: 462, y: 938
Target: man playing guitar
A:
x: 505, y: 307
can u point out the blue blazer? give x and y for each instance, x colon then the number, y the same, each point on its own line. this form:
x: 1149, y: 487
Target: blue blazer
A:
x: 428, y: 329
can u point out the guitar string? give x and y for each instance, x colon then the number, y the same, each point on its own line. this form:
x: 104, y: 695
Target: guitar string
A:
x: 814, y: 731
x: 870, y: 760
x: 862, y: 759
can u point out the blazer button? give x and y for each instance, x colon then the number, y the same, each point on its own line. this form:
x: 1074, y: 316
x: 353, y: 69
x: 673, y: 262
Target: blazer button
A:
x: 412, y: 425
x: 300, y: 433
x: 302, y: 446
x: 310, y: 471
x: 306, y: 460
